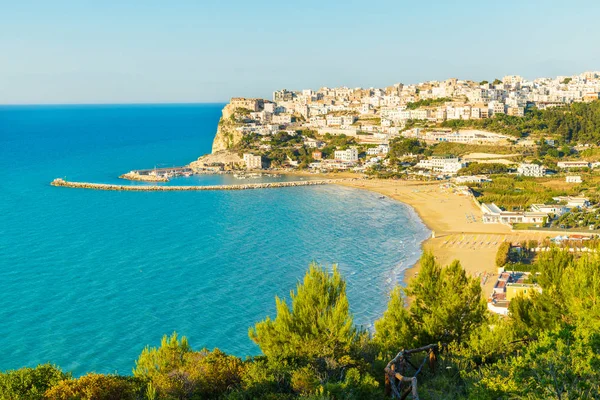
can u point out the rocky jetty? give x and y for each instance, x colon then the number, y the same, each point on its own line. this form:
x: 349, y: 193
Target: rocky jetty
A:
x: 154, y: 188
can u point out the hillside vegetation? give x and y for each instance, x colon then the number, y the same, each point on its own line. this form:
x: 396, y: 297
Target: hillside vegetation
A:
x: 549, y: 348
x: 579, y: 123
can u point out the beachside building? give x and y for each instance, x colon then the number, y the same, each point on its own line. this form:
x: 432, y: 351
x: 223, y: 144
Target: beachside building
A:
x: 508, y: 286
x: 348, y: 155
x: 521, y: 289
x: 472, y: 179
x: 492, y: 214
x: 443, y: 164
x: 534, y: 170
x: 332, y: 165
x: 252, y: 161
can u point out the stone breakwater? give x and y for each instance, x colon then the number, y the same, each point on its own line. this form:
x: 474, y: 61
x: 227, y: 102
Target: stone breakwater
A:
x: 154, y: 188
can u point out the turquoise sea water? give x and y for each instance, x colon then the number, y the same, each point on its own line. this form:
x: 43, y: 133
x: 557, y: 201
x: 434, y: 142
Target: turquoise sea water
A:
x: 88, y: 278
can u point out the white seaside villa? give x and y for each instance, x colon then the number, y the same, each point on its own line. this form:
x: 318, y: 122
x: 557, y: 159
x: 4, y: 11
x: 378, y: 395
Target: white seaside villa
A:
x: 492, y: 214
x: 443, y: 164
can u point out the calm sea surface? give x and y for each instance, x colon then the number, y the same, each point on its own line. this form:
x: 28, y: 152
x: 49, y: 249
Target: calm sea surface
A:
x: 88, y: 278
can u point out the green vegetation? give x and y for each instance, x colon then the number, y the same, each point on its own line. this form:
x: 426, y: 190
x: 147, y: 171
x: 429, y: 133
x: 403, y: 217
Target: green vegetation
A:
x: 427, y: 103
x: 316, y: 326
x: 575, y: 219
x: 501, y: 123
x: 460, y: 149
x: 566, y: 81
x: 368, y: 120
x: 481, y: 168
x: 400, y: 146
x: 579, y: 122
x: 30, y: 383
x: 548, y: 348
x: 516, y: 192
x: 336, y: 142
x: 502, y: 254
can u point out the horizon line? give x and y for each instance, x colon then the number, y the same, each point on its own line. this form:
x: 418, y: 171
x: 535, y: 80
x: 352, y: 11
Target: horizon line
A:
x: 109, y: 104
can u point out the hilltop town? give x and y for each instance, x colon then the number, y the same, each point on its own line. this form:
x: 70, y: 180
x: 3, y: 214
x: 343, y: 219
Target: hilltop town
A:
x: 524, y: 152
x: 481, y: 135
x: 353, y: 129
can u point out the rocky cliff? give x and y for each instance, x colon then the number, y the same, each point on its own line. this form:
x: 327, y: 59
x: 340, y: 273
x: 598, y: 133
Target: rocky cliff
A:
x: 227, y: 136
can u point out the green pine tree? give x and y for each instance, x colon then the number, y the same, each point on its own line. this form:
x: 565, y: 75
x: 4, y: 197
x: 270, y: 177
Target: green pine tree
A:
x: 447, y: 304
x: 393, y: 331
x: 318, y: 323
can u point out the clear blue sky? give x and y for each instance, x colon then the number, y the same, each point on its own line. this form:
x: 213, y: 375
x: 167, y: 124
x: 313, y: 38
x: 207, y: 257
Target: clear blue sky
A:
x: 104, y: 51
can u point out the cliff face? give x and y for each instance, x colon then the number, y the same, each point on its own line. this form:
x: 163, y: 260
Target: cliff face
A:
x: 227, y: 136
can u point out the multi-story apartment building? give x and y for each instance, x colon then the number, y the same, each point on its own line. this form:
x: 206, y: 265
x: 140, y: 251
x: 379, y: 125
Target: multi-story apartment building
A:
x: 348, y: 155
x: 252, y: 161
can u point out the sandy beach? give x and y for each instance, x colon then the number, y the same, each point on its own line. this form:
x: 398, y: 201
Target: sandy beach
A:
x: 455, y: 221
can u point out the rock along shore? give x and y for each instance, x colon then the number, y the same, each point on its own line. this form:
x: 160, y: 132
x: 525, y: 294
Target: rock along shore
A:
x: 154, y: 188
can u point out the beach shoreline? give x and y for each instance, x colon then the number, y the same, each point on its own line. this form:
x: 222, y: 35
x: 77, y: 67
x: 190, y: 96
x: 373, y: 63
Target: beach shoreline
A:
x: 454, y: 219
x: 455, y: 223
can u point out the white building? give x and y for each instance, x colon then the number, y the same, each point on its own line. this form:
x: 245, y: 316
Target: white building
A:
x: 466, y: 136
x: 496, y: 107
x: 349, y: 155
x: 345, y: 120
x: 534, y: 170
x: 252, y: 161
x: 444, y: 165
x: 381, y: 149
x: 492, y: 214
x: 572, y: 164
x: 573, y: 179
x: 555, y: 209
x: 472, y: 179
x: 573, y: 202
x: 313, y: 143
x: 283, y: 119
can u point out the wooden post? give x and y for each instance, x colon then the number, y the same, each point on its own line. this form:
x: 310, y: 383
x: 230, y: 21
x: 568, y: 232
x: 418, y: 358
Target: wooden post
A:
x: 388, y: 386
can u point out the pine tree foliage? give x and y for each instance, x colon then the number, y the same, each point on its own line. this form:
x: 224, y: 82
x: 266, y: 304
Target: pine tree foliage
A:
x: 30, y: 383
x: 393, y: 331
x: 318, y: 323
x: 446, y: 303
x: 169, y: 356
